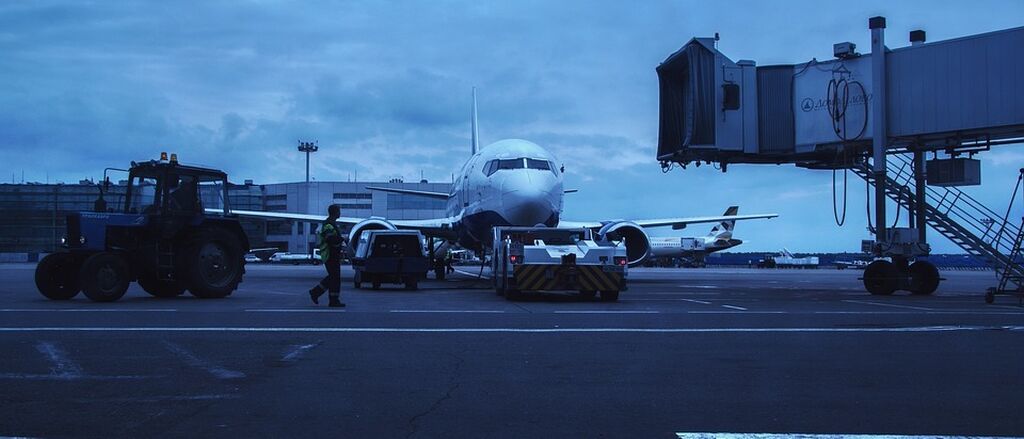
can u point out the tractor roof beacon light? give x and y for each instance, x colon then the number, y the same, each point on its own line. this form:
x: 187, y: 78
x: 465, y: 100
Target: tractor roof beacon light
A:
x: 174, y: 158
x: 163, y: 156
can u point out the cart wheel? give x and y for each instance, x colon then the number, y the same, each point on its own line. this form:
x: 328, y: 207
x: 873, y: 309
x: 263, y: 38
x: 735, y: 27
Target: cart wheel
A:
x: 990, y: 296
x: 924, y: 278
x: 881, y: 278
x: 588, y: 294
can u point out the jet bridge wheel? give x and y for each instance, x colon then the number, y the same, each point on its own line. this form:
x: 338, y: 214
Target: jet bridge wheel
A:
x: 881, y: 278
x: 924, y: 278
x: 57, y: 276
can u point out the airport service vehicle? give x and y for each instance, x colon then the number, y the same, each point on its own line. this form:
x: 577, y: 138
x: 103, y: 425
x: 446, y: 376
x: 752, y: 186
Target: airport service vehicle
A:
x: 390, y: 256
x: 549, y: 259
x: 785, y: 259
x: 160, y: 236
x: 297, y: 258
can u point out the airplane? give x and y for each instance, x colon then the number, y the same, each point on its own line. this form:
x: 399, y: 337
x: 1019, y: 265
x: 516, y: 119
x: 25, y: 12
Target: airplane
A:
x: 511, y: 182
x: 696, y: 249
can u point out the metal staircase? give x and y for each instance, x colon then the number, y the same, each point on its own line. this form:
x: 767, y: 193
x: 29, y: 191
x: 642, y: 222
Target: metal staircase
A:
x: 978, y: 230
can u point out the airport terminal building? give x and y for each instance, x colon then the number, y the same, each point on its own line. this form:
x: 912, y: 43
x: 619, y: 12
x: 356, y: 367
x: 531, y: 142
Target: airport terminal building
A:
x: 34, y: 214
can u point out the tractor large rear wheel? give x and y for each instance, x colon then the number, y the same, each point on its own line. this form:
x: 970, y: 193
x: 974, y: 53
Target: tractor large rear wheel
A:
x: 57, y: 276
x: 104, y: 277
x: 211, y: 263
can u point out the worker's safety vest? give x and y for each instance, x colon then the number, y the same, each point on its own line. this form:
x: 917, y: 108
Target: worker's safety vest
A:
x: 326, y: 230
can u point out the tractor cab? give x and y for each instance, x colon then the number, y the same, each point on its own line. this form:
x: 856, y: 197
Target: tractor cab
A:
x: 171, y: 189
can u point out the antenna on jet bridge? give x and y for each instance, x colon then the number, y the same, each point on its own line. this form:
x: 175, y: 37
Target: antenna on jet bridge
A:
x: 476, y: 133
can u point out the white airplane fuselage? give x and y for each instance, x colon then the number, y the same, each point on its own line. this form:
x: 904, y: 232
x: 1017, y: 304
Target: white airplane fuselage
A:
x: 511, y: 182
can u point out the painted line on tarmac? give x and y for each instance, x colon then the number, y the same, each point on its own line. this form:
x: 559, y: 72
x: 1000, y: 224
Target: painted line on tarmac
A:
x: 702, y: 302
x: 738, y: 308
x: 52, y: 377
x: 86, y: 310
x: 294, y: 310
x: 159, y: 398
x: 199, y: 363
x: 608, y: 312
x: 487, y: 311
x: 910, y: 329
x: 891, y: 305
x: 63, y: 366
x: 298, y: 351
x: 821, y: 436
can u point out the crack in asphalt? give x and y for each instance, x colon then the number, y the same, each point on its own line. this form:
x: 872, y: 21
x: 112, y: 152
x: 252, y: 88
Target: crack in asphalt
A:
x: 414, y: 428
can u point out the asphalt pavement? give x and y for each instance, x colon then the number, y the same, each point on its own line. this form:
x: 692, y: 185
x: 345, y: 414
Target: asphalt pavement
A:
x: 684, y: 350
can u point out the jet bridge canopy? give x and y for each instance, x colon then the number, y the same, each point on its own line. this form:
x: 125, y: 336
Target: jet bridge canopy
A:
x: 940, y: 95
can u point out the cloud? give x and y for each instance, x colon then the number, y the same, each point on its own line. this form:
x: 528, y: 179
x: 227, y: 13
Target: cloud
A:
x: 385, y: 90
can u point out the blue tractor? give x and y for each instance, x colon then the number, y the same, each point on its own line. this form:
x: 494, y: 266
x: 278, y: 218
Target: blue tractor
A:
x: 171, y: 231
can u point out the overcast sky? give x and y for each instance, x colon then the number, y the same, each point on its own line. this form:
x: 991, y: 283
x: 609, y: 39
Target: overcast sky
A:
x: 385, y: 89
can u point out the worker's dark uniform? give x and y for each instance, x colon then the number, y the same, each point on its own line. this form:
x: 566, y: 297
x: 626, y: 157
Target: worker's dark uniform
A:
x: 330, y: 244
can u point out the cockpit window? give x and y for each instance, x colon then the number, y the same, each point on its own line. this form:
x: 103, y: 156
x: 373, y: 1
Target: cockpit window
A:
x: 510, y: 164
x: 538, y: 164
x: 500, y: 164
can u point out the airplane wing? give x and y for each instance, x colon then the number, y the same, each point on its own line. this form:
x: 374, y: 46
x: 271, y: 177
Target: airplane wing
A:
x: 432, y: 227
x: 430, y: 194
x: 676, y: 223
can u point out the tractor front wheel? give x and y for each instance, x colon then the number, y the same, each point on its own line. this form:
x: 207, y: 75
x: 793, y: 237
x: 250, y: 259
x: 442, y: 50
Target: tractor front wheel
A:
x: 104, y: 277
x: 57, y: 276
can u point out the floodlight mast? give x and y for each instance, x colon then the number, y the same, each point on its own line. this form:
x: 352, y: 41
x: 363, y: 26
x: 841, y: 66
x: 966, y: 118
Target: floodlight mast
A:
x: 308, y: 147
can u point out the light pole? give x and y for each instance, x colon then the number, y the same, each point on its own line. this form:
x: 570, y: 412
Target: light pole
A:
x: 308, y: 147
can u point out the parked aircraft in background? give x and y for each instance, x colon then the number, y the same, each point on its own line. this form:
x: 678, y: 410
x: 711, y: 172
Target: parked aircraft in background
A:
x: 694, y: 250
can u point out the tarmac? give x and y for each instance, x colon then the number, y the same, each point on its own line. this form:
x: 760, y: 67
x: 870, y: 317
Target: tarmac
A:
x: 683, y: 351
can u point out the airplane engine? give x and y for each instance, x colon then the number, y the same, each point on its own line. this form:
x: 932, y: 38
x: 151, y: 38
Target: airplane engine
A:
x: 638, y: 244
x: 367, y: 224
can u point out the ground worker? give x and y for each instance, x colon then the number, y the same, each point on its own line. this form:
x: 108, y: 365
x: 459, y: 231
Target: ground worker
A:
x: 448, y: 259
x: 330, y: 243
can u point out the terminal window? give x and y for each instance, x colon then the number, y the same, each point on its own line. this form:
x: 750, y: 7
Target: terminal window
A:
x: 353, y: 196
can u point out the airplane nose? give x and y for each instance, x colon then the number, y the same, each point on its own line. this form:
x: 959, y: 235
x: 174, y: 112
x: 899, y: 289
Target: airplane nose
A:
x: 529, y: 210
x: 527, y: 201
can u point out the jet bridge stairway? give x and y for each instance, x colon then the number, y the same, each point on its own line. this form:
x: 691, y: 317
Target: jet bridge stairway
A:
x: 972, y: 226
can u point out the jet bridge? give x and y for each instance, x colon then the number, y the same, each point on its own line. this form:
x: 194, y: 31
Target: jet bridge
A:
x: 956, y: 97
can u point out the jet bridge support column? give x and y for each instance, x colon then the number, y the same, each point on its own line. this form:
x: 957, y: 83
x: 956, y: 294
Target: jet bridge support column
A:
x: 879, y: 134
x: 920, y: 179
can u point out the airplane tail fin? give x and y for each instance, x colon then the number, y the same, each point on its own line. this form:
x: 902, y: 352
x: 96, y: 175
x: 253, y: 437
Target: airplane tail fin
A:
x: 724, y: 229
x: 476, y: 132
